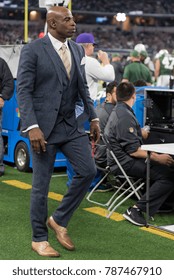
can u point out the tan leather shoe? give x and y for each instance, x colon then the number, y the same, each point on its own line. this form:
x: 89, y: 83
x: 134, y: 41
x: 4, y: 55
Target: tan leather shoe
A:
x: 44, y: 249
x: 61, y: 234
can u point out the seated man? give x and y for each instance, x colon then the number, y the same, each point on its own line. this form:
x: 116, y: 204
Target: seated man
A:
x: 103, y: 112
x: 125, y: 137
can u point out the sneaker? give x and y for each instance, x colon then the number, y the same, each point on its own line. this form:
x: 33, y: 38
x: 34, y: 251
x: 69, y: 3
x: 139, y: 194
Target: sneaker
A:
x: 135, y: 216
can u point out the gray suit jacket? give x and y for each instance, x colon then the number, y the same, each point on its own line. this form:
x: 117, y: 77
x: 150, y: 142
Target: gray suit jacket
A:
x: 39, y: 85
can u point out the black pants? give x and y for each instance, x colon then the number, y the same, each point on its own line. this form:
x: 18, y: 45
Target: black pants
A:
x: 162, y: 183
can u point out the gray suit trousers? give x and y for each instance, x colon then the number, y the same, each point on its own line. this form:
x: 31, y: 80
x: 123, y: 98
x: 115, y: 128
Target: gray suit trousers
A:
x: 78, y: 152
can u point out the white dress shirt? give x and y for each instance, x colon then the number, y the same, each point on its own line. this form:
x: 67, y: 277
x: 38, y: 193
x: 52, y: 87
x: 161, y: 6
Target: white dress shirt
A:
x: 58, y: 44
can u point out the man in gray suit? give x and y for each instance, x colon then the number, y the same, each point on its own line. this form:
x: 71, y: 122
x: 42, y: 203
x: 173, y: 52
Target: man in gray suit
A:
x: 48, y: 99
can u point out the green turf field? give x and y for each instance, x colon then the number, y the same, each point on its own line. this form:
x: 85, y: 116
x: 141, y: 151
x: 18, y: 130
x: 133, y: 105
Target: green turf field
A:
x: 95, y: 236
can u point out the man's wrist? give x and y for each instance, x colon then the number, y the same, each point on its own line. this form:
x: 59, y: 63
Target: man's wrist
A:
x: 95, y: 120
x: 30, y: 127
x: 154, y: 156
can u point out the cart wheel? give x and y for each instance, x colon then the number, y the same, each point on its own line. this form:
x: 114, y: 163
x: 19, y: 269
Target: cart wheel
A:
x: 22, y: 157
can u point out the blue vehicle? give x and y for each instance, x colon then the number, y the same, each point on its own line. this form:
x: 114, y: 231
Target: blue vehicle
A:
x: 17, y: 148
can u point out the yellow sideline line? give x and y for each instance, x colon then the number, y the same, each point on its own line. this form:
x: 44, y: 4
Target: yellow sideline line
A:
x: 17, y: 184
x: 55, y: 196
x: 24, y: 186
x: 118, y: 217
x: 103, y: 212
x: 158, y: 232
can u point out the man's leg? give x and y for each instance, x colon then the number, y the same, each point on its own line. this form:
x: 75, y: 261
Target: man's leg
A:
x: 78, y: 152
x: 43, y: 165
x: 162, y: 186
x: 162, y: 178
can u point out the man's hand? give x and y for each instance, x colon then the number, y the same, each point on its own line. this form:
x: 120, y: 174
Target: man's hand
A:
x: 95, y: 131
x: 145, y: 133
x: 103, y: 57
x: 1, y: 102
x: 162, y: 158
x: 37, y: 140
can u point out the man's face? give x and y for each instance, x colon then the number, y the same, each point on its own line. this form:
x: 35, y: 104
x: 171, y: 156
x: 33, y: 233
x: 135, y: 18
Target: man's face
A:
x: 89, y: 49
x: 64, y: 25
x: 113, y: 96
x: 134, y: 97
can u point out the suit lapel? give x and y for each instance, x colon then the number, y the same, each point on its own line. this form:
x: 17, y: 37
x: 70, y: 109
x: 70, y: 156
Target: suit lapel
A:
x: 75, y: 56
x: 56, y: 60
x: 54, y: 57
x: 72, y: 67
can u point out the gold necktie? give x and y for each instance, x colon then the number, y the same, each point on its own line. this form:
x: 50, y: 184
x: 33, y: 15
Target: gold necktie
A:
x: 65, y: 58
